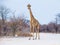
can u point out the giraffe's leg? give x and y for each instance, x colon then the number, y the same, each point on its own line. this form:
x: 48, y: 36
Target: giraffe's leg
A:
x: 38, y: 33
x: 30, y: 30
x: 33, y: 32
x: 30, y: 36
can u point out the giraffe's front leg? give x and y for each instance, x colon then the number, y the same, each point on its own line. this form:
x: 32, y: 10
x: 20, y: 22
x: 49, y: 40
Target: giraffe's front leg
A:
x: 30, y: 30
x: 30, y: 36
x: 38, y: 32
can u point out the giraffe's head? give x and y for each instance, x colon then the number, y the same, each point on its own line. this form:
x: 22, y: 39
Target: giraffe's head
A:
x: 28, y: 6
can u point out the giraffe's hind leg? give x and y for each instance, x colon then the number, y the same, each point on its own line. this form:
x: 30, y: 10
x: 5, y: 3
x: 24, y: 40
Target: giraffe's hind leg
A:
x: 30, y: 31
x: 33, y: 32
x: 38, y: 33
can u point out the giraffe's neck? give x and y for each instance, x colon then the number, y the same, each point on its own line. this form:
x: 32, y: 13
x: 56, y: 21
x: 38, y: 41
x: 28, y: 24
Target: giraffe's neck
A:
x: 31, y: 15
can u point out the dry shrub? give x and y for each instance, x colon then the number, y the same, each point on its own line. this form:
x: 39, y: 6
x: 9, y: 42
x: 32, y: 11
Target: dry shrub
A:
x: 24, y: 34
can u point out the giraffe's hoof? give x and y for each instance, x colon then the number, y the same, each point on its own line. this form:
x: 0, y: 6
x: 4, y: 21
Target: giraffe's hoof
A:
x: 29, y: 38
x: 35, y: 38
x: 38, y: 38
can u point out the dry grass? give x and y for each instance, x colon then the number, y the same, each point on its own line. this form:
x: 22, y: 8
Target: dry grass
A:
x: 24, y: 34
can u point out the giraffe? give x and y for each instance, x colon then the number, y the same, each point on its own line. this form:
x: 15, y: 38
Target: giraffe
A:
x: 34, y: 24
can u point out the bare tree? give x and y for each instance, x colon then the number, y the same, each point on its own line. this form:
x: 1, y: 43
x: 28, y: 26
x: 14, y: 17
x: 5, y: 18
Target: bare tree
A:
x: 3, y: 14
x: 0, y: 26
x: 57, y: 21
x: 19, y: 24
x: 58, y: 18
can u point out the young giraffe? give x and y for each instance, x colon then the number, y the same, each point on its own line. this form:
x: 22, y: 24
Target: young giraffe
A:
x: 34, y: 24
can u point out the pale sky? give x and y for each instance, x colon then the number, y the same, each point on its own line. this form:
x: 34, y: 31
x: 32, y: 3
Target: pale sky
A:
x: 43, y: 10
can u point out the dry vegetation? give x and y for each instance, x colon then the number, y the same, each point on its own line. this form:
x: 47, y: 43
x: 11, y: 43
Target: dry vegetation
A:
x: 23, y: 34
x: 20, y: 26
